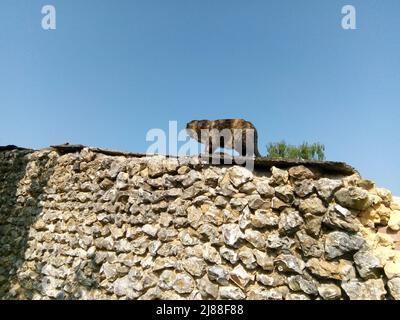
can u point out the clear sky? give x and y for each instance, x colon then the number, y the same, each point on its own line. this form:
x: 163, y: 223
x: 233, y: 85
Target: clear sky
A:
x: 112, y: 70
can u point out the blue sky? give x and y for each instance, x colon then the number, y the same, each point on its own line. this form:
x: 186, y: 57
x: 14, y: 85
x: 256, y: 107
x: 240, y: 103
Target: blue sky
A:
x: 112, y: 70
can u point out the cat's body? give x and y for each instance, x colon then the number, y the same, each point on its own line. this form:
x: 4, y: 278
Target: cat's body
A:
x: 237, y: 134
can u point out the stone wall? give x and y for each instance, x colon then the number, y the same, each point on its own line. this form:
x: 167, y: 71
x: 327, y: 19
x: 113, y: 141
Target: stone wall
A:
x: 86, y: 225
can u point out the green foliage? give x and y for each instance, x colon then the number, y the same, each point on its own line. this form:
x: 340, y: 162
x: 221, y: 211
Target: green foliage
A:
x: 305, y: 151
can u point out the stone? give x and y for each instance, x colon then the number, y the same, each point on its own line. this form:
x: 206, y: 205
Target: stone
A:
x: 301, y: 173
x: 244, y: 219
x: 248, y: 188
x: 231, y: 234
x: 303, y: 188
x: 125, y: 287
x: 278, y: 204
x: 271, y: 280
x: 229, y: 254
x: 247, y: 257
x: 394, y: 288
x: 329, y: 291
x: 264, y: 260
x: 302, y: 283
x: 394, y: 221
x: 210, y: 177
x: 183, y: 283
x: 279, y: 176
x: 264, y: 189
x: 395, y: 204
x: 51, y: 287
x: 288, y: 263
x: 240, y: 276
x: 353, y: 198
x: 231, y: 293
x: 155, y: 166
x: 385, y: 195
x: 367, y: 265
x: 259, y: 293
x: 194, y: 215
x: 285, y: 193
x: 194, y: 266
x: 255, y: 238
x: 220, y: 202
x: 290, y: 221
x: 190, y: 178
x: 211, y: 254
x: 339, y: 270
x: 219, y: 274
x: 213, y: 215
x: 167, y: 279
x: 122, y: 181
x: 313, y: 205
x: 326, y: 187
x: 207, y: 288
x: 309, y: 246
x: 167, y: 234
x: 264, y: 218
x: 338, y: 217
x: 296, y: 296
x: 275, y: 241
x: 239, y: 175
x: 150, y: 230
x: 392, y: 266
x: 256, y: 202
x: 338, y: 243
x: 313, y: 224
x: 238, y: 203
x: 373, y: 289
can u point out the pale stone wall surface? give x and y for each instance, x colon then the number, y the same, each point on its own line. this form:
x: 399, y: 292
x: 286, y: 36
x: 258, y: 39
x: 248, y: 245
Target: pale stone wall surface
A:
x: 86, y: 225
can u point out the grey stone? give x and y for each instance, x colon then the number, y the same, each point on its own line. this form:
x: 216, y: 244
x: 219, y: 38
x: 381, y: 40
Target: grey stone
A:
x: 239, y: 175
x: 302, y: 283
x: 338, y: 243
x: 231, y: 234
x: 394, y: 288
x: 327, y: 187
x: 265, y: 261
x: 338, y: 217
x: 231, y: 293
x: 219, y: 274
x: 240, y: 276
x: 368, y: 265
x: 195, y: 266
x: 353, y: 198
x: 255, y: 238
x: 290, y: 221
x: 312, y: 205
x: 229, y: 254
x: 207, y: 288
x: 271, y: 280
x: 303, y: 188
x: 264, y: 218
x: 329, y: 291
x: 309, y: 246
x: 285, y: 193
x: 288, y: 263
x: 264, y: 189
x: 373, y: 289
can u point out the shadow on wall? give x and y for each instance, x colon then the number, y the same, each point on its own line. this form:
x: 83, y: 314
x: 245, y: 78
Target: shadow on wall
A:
x: 23, y: 177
